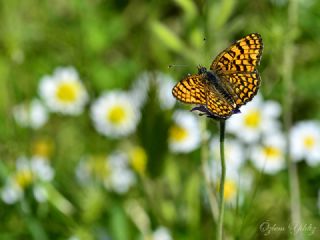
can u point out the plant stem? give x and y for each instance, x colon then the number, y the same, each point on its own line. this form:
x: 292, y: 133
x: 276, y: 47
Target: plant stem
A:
x: 288, y: 64
x: 223, y: 174
x: 207, y: 177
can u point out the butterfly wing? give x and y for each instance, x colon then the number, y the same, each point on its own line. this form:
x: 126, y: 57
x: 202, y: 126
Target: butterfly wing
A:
x: 219, y: 107
x: 191, y: 90
x: 236, y: 68
x: 242, y: 86
x: 196, y: 90
x: 242, y: 56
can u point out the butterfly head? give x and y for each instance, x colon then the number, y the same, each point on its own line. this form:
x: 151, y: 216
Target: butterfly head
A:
x: 201, y: 69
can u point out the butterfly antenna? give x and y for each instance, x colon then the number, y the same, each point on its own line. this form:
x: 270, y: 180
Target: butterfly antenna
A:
x: 178, y: 65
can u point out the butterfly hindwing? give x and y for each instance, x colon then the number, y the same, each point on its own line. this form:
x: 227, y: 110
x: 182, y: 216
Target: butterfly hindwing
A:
x: 241, y: 86
x: 218, y: 105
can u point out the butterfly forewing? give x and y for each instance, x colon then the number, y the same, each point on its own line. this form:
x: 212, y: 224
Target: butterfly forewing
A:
x: 191, y: 90
x: 243, y: 56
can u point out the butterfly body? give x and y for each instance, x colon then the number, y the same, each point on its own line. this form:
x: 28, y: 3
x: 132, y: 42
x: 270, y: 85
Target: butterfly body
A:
x: 231, y: 82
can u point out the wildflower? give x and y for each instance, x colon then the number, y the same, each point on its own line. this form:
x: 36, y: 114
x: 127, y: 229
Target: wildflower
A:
x: 115, y: 115
x: 270, y: 156
x: 138, y: 159
x: 237, y: 180
x: 305, y: 142
x: 256, y: 118
x: 236, y: 185
x: 92, y: 167
x: 234, y: 152
x: 32, y: 114
x: 63, y: 92
x: 164, y: 84
x: 42, y: 147
x: 40, y: 193
x: 29, y: 173
x: 11, y: 192
x: 140, y: 88
x: 41, y: 168
x: 121, y: 177
x: 184, y: 134
x: 161, y: 233
x: 113, y: 171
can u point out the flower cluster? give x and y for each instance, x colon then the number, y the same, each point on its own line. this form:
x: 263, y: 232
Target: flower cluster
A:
x: 32, y: 173
x: 115, y: 171
x: 255, y: 134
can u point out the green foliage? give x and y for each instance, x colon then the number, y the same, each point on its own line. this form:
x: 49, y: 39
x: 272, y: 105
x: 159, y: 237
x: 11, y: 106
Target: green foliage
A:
x: 111, y: 43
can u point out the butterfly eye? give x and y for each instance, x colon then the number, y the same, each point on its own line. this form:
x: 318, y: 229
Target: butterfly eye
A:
x: 201, y: 70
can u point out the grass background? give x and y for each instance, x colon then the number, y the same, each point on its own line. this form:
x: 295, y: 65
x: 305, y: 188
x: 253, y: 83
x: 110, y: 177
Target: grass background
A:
x: 110, y: 43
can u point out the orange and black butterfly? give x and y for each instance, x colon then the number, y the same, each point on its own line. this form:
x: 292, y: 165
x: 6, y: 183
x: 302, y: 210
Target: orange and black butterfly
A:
x: 231, y: 82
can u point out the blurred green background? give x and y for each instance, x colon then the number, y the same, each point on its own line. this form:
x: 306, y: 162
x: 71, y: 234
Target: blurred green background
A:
x: 111, y: 43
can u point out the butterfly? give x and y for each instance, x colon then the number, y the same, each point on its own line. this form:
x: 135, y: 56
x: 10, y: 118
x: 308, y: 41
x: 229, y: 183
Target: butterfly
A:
x: 231, y: 82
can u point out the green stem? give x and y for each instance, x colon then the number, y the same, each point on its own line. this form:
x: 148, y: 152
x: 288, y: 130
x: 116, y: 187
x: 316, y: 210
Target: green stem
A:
x: 207, y: 177
x: 288, y: 64
x: 223, y: 174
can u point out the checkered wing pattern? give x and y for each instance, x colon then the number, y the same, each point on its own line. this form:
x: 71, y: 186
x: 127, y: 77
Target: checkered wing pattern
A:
x: 219, y: 106
x: 242, y: 56
x: 237, y: 80
x: 191, y: 90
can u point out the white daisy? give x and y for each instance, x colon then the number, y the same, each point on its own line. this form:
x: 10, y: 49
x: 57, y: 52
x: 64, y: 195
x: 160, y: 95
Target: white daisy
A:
x: 305, y: 142
x: 40, y: 193
x: 270, y: 156
x: 63, y: 92
x: 41, y: 168
x: 11, y: 192
x: 161, y: 233
x: 92, y: 167
x: 121, y: 177
x: 164, y: 84
x: 237, y: 181
x: 115, y: 115
x: 235, y: 187
x: 233, y: 150
x: 140, y: 88
x: 32, y: 114
x: 256, y: 118
x: 184, y: 134
x: 31, y: 172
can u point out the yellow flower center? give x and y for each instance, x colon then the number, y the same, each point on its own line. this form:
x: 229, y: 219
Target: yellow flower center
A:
x: 253, y: 119
x: 24, y: 178
x: 68, y: 92
x: 42, y: 147
x: 117, y: 115
x: 230, y: 190
x: 138, y: 159
x: 271, y: 152
x: 309, y: 142
x: 98, y: 167
x: 178, y: 133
